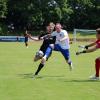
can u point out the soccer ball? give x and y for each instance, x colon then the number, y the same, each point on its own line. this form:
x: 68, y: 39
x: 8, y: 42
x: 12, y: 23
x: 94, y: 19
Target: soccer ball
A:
x: 40, y: 54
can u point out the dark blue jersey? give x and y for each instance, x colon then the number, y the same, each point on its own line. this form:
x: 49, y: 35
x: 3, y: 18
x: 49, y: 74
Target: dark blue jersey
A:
x: 26, y: 39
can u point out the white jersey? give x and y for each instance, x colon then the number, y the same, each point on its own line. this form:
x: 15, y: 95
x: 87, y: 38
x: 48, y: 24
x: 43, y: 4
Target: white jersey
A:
x: 65, y: 43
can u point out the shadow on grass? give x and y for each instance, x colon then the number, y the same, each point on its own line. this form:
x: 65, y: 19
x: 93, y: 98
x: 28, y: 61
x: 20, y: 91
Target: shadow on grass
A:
x: 56, y: 77
x: 81, y: 81
x: 25, y: 76
x: 31, y: 75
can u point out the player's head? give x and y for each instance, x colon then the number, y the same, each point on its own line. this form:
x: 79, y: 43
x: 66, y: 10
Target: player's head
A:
x: 52, y: 26
x: 98, y: 33
x: 26, y: 32
x: 48, y: 29
x: 58, y: 27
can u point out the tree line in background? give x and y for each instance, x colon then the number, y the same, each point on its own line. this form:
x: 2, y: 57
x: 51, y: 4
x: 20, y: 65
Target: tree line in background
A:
x: 36, y: 14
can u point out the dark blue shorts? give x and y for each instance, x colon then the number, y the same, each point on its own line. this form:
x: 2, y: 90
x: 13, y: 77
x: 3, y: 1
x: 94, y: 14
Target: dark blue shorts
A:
x: 26, y: 39
x: 65, y: 52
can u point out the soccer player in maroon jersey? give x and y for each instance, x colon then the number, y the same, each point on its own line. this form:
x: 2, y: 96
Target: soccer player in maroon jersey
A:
x: 96, y: 46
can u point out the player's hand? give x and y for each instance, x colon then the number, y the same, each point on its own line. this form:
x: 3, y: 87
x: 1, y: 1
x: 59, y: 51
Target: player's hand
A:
x: 86, y: 47
x: 78, y: 53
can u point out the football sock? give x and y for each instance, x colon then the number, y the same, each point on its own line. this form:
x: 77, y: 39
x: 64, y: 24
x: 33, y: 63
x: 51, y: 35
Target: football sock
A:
x: 48, y: 51
x: 39, y: 68
x: 69, y: 62
x: 97, y: 67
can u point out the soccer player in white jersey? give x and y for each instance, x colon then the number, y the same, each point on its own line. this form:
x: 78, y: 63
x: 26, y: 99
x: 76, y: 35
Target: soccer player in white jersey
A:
x: 61, y: 45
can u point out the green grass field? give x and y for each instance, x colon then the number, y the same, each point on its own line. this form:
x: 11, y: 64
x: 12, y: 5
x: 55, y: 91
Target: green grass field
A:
x: 55, y: 81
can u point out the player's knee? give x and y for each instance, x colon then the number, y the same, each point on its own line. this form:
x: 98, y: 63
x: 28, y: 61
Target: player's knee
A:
x: 52, y: 46
x: 43, y: 61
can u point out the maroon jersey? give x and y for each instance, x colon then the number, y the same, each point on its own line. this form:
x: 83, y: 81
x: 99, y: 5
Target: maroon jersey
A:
x: 98, y: 43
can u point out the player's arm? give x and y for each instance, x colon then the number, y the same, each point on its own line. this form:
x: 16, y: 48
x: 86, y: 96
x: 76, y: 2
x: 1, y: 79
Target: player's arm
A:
x: 42, y: 36
x: 32, y: 38
x: 88, y: 50
x: 90, y: 45
x: 45, y: 36
x: 65, y: 37
x: 38, y: 38
x: 35, y: 38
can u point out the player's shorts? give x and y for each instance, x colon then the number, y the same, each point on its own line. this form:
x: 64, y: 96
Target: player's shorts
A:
x: 26, y: 39
x: 65, y: 52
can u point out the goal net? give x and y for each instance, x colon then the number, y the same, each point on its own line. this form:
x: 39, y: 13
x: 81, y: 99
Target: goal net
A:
x: 83, y: 34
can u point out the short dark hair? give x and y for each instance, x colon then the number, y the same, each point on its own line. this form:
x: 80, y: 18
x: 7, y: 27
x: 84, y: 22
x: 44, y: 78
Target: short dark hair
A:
x: 98, y: 30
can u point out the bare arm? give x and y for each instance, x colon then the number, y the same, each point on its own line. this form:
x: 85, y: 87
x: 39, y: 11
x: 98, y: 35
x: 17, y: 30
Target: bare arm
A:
x: 33, y: 38
x: 65, y: 37
x: 92, y: 44
x: 91, y: 50
x: 87, y: 51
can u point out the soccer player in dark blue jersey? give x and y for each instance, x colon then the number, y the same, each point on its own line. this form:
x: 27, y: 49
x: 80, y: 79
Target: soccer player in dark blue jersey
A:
x: 26, y: 35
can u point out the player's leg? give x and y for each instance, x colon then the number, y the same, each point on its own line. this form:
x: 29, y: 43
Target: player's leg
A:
x: 97, y: 69
x: 41, y: 65
x: 66, y: 54
x: 54, y: 47
x: 26, y: 44
x: 97, y: 66
x: 26, y: 41
x: 48, y: 52
x: 46, y: 56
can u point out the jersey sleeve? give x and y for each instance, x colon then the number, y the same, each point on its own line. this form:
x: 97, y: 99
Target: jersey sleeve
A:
x: 66, y: 34
x: 53, y: 33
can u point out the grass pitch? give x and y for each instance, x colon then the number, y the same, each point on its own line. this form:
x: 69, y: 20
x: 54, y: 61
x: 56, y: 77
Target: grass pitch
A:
x: 55, y: 81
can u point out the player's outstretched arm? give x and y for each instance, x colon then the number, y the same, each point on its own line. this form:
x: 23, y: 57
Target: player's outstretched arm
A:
x: 32, y: 38
x: 65, y: 37
x: 87, y: 51
x: 90, y: 45
x: 35, y: 39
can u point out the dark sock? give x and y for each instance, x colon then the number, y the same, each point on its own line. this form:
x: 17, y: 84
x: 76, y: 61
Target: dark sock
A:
x: 39, y: 68
x: 97, y: 67
x: 69, y: 63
